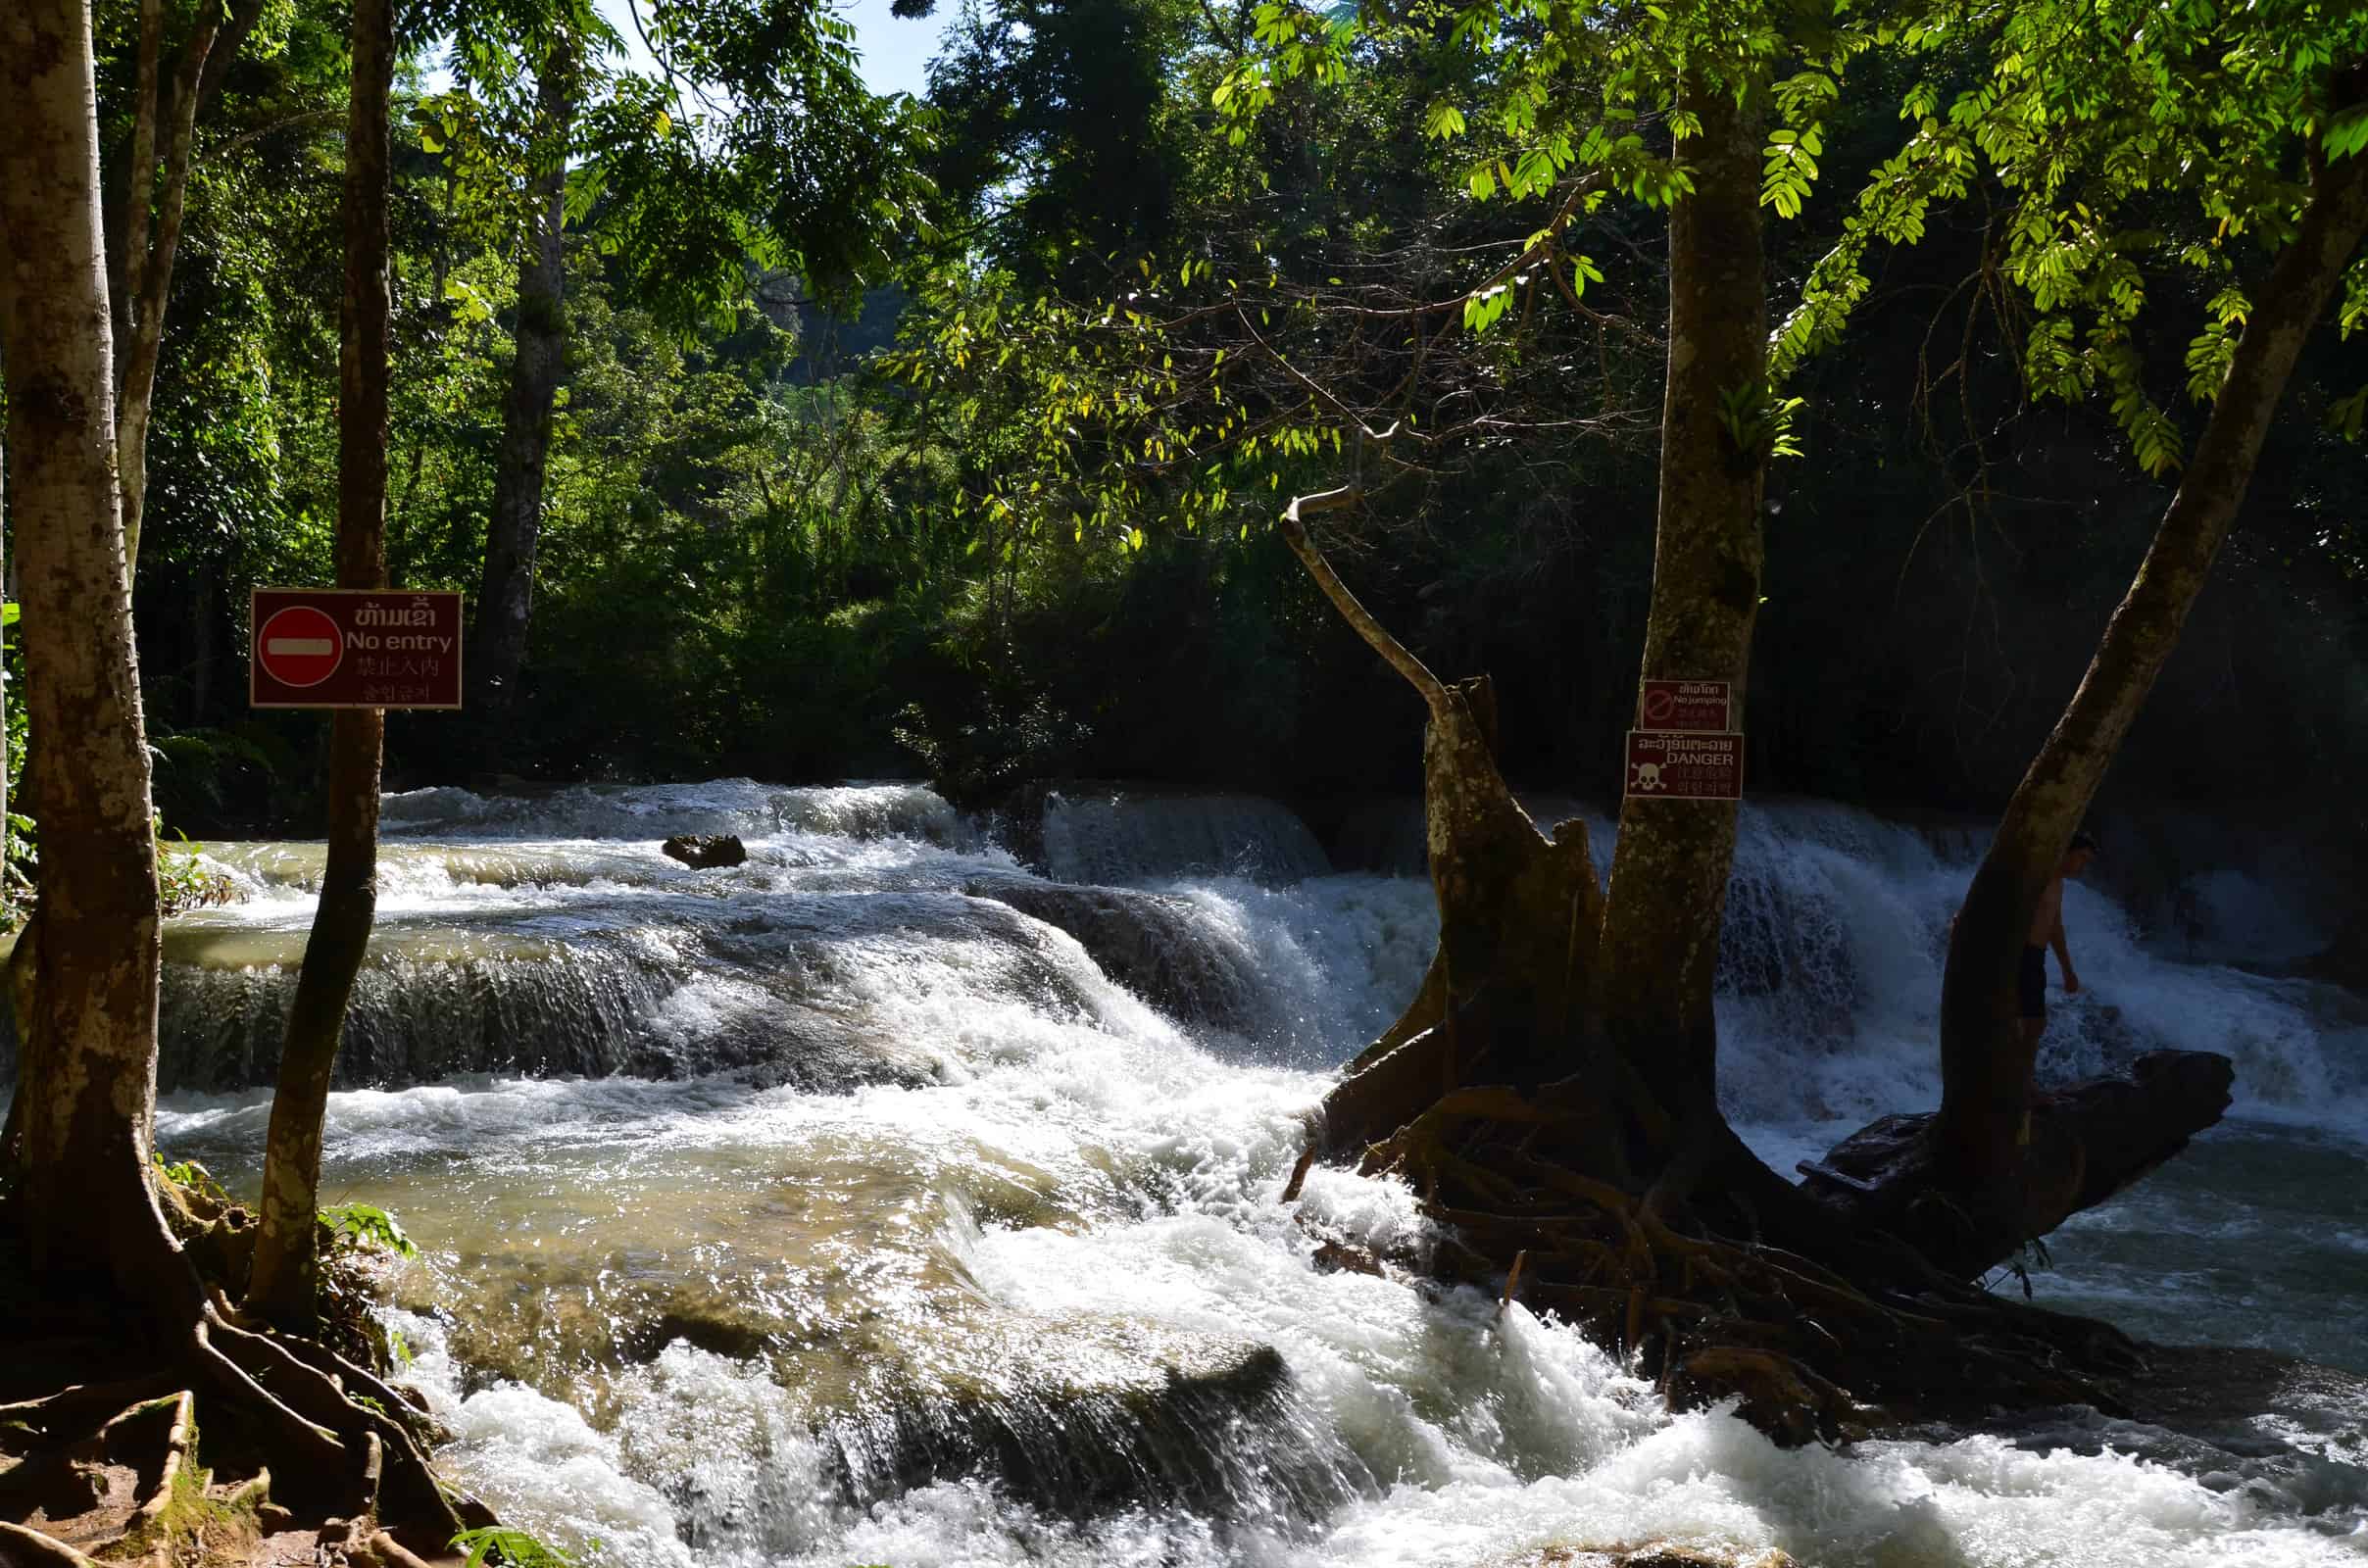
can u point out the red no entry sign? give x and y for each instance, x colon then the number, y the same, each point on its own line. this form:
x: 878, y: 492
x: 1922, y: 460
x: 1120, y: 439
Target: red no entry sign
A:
x: 355, y: 648
x: 1688, y: 705
x: 299, y: 647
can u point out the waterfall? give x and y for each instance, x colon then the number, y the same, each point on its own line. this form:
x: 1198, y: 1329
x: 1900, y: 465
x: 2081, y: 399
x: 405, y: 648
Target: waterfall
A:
x: 881, y: 1199
x: 1135, y: 838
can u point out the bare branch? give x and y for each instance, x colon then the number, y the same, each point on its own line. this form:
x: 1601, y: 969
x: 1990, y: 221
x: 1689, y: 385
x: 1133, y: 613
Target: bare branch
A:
x: 1434, y: 693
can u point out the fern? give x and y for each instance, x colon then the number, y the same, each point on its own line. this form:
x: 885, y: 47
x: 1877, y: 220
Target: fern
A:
x: 498, y: 1544
x: 366, y: 1225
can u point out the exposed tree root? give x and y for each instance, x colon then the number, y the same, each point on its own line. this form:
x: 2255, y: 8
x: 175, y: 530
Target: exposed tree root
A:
x: 1587, y: 1171
x: 23, y: 1548
x: 1813, y: 1350
x: 108, y: 1466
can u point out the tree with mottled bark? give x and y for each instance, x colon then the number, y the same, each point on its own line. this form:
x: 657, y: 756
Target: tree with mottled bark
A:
x: 285, y: 1281
x: 78, y: 1149
x: 124, y: 1249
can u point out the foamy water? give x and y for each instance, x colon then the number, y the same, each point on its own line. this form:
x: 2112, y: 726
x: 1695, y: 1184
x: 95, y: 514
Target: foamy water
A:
x: 878, y: 1224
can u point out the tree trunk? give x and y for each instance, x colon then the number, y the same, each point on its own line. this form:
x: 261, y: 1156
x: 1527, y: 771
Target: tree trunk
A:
x: 5, y: 639
x: 144, y: 267
x: 86, y: 1090
x: 1669, y: 871
x: 79, y: 1156
x: 1538, y: 979
x: 139, y: 177
x: 284, y: 1283
x: 505, y: 601
x: 1983, y: 1067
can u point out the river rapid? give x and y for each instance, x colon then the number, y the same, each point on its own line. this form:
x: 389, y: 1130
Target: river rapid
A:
x: 885, y: 1200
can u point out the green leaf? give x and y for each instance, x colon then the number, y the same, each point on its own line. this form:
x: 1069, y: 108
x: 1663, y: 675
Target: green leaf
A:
x: 2348, y: 133
x: 514, y: 1547
x: 367, y: 1224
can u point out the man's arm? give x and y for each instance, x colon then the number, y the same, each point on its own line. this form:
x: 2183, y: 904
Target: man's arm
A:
x: 2063, y: 954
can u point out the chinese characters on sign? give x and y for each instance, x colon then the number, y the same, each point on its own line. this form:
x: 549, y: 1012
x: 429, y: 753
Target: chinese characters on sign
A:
x: 355, y: 648
x: 1683, y: 767
x: 1685, y: 749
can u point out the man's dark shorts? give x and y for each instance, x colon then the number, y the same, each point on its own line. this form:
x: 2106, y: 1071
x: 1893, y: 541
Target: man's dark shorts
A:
x: 2033, y: 984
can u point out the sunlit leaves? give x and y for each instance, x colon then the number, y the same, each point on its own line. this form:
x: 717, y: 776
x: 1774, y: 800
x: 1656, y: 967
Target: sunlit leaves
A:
x: 1484, y: 306
x: 2208, y: 358
x: 2128, y: 139
x: 1759, y: 420
x: 471, y: 301
x: 1791, y: 168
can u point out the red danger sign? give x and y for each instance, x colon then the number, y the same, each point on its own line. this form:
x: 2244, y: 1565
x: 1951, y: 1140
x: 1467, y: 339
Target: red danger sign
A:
x: 1689, y: 704
x: 1684, y: 767
x: 353, y: 648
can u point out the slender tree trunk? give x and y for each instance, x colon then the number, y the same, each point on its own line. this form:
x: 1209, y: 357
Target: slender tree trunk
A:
x: 1538, y: 980
x: 505, y: 601
x: 1982, y: 1066
x: 139, y: 177
x: 5, y: 639
x: 284, y: 1284
x: 143, y: 265
x: 1659, y: 950
x: 87, y: 1091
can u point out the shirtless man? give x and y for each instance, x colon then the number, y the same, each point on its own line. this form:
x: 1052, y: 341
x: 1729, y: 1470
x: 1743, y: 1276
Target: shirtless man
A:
x: 2047, y: 931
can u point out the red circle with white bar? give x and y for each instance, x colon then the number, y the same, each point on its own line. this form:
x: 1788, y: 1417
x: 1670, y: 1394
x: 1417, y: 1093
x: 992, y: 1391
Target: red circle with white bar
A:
x: 300, y: 647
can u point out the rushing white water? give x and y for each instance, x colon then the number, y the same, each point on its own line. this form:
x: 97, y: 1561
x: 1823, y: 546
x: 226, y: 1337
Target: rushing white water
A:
x: 881, y: 1202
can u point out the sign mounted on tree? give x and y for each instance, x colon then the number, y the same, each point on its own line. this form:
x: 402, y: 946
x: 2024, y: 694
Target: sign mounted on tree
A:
x: 353, y: 648
x: 1684, y: 765
x: 1687, y: 704
x: 1684, y: 748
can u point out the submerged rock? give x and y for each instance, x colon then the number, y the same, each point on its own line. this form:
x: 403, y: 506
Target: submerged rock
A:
x: 1164, y: 949
x: 1659, y: 1555
x: 706, y: 851
x: 1084, y: 1414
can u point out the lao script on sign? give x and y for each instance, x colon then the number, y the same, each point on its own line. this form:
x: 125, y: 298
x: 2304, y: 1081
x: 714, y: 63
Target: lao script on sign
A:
x: 355, y: 648
x: 1684, y: 765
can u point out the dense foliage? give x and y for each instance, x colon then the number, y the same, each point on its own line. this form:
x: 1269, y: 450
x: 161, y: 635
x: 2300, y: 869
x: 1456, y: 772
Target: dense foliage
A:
x: 1007, y: 513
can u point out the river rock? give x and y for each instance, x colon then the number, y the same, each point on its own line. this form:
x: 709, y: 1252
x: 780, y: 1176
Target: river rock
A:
x: 1080, y: 1414
x: 1659, y: 1555
x: 1162, y: 948
x: 706, y: 851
